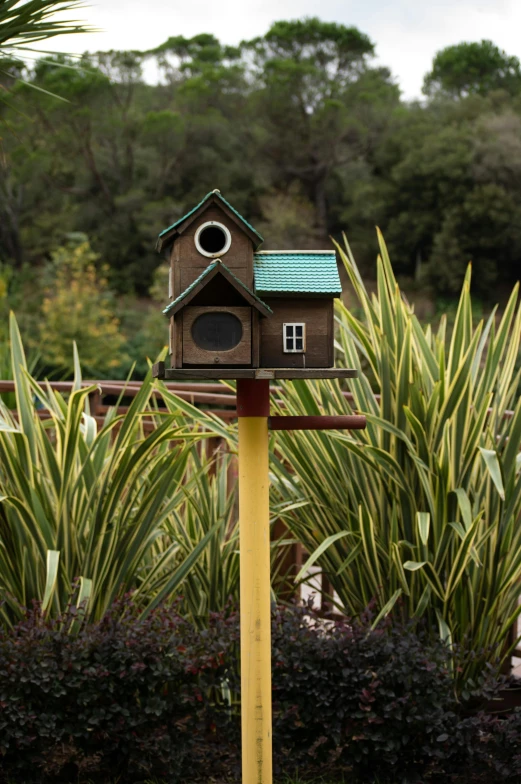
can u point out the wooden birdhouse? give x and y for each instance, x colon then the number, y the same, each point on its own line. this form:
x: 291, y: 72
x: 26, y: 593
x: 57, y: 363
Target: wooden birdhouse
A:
x: 239, y: 312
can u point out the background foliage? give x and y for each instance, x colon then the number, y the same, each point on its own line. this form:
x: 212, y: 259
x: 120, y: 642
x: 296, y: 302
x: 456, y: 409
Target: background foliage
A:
x: 77, y: 307
x: 299, y: 129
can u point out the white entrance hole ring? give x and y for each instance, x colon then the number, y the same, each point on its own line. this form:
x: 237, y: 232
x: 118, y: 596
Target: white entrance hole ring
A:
x: 212, y: 239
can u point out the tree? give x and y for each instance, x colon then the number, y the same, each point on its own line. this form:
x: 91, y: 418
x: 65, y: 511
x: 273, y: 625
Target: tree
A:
x: 86, y: 152
x: 308, y: 73
x: 181, y: 58
x: 484, y: 229
x: 208, y: 92
x: 429, y: 177
x: 22, y: 24
x: 472, y: 68
x: 448, y: 186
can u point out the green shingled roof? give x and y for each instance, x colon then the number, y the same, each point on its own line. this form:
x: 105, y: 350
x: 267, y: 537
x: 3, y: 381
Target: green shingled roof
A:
x: 202, y: 276
x: 198, y: 206
x: 298, y: 272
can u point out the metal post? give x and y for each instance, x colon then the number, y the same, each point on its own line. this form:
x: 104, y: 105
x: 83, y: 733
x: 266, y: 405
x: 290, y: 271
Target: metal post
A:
x: 253, y: 412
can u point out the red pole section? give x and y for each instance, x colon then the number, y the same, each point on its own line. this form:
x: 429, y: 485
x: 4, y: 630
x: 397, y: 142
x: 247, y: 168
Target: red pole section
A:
x: 353, y: 422
x: 253, y: 397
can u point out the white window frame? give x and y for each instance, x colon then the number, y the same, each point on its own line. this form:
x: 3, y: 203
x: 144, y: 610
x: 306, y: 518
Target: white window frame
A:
x: 223, y: 250
x: 286, y: 337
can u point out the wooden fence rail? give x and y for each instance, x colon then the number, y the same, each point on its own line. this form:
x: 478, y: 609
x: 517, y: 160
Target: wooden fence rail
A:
x: 207, y: 394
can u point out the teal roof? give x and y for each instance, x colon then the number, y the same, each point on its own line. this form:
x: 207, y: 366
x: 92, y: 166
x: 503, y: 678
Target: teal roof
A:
x: 198, y: 206
x: 298, y: 272
x: 202, y: 276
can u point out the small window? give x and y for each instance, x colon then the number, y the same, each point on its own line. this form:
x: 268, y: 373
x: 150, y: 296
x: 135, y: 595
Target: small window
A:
x: 294, y: 338
x: 212, y: 239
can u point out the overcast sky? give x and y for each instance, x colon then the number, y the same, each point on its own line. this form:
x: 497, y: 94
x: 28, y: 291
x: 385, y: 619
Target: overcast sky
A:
x: 407, y: 33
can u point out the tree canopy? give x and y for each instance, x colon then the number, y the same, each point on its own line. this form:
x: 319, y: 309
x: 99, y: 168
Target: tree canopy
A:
x: 300, y: 130
x: 477, y: 67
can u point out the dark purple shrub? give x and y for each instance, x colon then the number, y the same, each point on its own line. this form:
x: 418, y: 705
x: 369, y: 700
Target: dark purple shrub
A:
x: 380, y: 703
x: 495, y: 753
x: 126, y: 696
x: 158, y: 697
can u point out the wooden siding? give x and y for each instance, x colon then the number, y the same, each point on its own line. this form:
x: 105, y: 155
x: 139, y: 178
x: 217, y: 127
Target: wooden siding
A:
x: 316, y: 314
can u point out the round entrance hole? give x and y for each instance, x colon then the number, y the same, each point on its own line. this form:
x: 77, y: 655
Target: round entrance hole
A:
x: 216, y: 331
x: 213, y: 239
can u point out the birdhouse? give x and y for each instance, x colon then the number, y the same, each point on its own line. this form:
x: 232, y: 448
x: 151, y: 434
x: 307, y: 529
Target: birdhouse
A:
x: 236, y: 311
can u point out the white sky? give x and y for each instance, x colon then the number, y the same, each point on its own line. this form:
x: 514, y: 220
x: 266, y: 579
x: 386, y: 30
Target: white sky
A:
x: 407, y: 33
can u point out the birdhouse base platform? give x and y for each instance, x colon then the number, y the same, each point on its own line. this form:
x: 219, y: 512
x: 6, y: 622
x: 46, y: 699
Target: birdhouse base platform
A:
x: 187, y: 374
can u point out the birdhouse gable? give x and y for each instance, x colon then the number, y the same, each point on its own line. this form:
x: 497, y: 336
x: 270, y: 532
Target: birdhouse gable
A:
x: 216, y: 285
x: 168, y: 235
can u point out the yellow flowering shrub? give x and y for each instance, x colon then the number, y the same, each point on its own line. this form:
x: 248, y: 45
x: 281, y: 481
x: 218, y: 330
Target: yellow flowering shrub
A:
x: 78, y: 306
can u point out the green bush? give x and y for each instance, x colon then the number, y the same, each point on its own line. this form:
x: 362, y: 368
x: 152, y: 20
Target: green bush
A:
x: 115, y: 336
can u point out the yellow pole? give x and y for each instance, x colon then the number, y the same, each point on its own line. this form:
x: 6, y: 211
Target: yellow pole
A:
x: 253, y: 409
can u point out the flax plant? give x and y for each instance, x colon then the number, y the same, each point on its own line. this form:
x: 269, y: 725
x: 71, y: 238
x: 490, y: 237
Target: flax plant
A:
x: 23, y: 24
x: 35, y: 21
x: 94, y: 502
x: 212, y: 501
x: 421, y: 512
x: 213, y: 582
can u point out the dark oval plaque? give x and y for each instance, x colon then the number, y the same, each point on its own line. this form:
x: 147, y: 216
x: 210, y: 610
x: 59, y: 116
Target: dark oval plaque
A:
x: 217, y: 331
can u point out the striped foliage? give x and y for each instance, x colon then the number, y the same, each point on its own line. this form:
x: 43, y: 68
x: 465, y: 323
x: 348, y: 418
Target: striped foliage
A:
x: 422, y: 510
x: 32, y: 21
x: 119, y: 509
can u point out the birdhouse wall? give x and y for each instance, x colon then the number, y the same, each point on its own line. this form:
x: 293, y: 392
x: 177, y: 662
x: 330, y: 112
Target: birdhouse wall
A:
x: 176, y: 340
x: 188, y: 263
x: 316, y: 314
